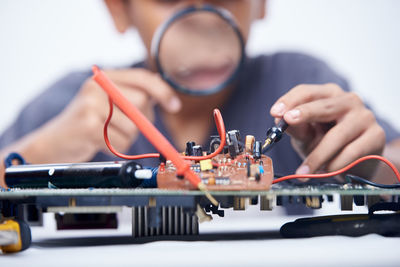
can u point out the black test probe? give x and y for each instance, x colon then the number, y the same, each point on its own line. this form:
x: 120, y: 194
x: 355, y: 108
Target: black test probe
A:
x: 274, y: 134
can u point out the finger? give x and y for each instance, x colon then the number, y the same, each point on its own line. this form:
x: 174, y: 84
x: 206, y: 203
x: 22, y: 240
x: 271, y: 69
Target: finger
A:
x: 323, y: 110
x: 150, y: 83
x: 334, y: 140
x: 118, y: 140
x: 370, y: 142
x: 305, y: 137
x: 302, y: 94
x: 302, y: 132
x: 121, y: 122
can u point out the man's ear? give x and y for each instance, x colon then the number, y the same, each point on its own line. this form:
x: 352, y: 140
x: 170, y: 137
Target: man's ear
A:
x: 119, y: 13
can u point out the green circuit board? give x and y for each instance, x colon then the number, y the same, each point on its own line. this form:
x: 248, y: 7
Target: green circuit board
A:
x: 276, y: 190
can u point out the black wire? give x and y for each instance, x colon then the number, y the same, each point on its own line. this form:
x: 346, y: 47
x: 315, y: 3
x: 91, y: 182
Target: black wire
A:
x: 365, y: 181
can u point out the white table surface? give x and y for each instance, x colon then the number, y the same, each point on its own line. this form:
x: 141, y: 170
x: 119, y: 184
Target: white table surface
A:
x: 231, y: 248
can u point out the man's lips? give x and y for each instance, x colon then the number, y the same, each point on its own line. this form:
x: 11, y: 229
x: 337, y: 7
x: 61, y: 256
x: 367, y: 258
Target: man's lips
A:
x: 203, y: 78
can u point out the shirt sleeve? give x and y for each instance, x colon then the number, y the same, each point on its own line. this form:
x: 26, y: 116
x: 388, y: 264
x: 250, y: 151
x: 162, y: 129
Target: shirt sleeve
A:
x: 44, y: 107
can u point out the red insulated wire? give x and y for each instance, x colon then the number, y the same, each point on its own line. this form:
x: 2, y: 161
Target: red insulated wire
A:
x: 341, y: 171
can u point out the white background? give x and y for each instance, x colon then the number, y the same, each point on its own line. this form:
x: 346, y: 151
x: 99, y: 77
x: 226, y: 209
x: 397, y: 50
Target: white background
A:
x: 40, y: 41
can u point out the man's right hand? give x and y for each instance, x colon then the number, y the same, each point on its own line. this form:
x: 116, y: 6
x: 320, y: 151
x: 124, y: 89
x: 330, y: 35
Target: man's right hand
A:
x: 76, y: 134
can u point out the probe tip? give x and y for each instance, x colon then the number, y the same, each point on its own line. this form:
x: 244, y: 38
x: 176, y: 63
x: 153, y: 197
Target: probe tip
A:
x: 202, y: 187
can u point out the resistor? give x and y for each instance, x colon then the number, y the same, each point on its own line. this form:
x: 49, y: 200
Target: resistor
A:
x: 162, y: 167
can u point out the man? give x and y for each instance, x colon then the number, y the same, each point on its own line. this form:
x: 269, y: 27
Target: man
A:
x: 329, y: 126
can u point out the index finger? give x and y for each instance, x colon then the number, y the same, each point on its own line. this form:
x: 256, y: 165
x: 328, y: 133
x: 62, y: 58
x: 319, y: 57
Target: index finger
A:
x: 302, y: 94
x: 150, y: 83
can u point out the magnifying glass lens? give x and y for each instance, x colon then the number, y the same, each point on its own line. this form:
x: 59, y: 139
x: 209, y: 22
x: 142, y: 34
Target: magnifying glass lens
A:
x: 200, y: 52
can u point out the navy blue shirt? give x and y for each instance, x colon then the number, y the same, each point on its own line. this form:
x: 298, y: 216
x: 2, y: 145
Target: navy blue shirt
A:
x: 263, y: 81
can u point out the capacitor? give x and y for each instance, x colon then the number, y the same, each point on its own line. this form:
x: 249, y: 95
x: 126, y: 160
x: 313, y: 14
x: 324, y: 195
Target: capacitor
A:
x: 249, y: 143
x: 211, y: 180
x: 214, y: 143
x: 257, y: 150
x: 233, y: 141
x: 197, y: 151
x: 189, y: 148
x: 248, y: 168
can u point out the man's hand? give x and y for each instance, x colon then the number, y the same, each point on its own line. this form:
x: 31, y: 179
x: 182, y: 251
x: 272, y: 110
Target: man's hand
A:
x: 76, y: 134
x: 329, y: 127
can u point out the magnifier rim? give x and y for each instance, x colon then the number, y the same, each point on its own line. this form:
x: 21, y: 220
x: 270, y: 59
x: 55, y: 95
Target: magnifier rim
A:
x: 222, y: 13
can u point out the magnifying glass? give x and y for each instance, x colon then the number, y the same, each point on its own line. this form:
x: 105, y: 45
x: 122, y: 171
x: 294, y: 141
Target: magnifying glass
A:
x: 199, y: 50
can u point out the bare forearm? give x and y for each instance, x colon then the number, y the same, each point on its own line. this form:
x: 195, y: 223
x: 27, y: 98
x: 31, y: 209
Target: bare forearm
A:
x: 30, y: 149
x: 34, y: 148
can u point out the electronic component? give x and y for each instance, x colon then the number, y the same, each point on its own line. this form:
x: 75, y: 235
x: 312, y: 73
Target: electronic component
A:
x: 215, y: 143
x: 206, y: 165
x: 197, y: 151
x: 249, y: 143
x: 233, y: 141
x: 257, y: 150
x: 80, y: 175
x: 274, y: 135
x: 189, y: 148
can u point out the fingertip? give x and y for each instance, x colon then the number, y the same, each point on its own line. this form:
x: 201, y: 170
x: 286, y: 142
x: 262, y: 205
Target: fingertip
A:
x: 278, y: 109
x: 292, y: 116
x: 174, y: 104
x: 303, y: 170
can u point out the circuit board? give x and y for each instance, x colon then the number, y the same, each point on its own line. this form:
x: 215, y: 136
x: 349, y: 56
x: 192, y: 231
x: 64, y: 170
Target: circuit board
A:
x: 222, y: 174
x: 275, y: 190
x: 157, y: 212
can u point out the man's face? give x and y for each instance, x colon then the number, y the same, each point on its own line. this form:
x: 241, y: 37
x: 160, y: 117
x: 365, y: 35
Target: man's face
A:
x: 199, y: 52
x: 147, y: 15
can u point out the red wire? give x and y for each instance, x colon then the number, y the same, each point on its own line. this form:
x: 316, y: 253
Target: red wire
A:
x: 218, y: 121
x: 341, y: 171
x: 222, y: 134
x: 112, y: 149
